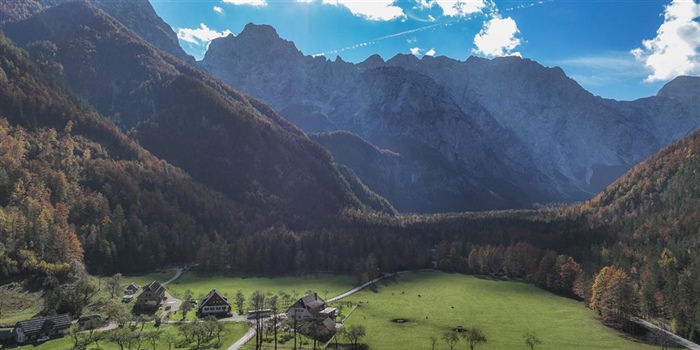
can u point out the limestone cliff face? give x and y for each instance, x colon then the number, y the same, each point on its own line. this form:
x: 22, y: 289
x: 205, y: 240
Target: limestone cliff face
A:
x: 580, y: 141
x: 392, y: 108
x: 520, y: 131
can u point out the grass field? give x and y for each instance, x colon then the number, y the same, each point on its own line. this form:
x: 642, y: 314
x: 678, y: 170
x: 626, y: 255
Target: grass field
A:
x: 201, y: 284
x: 233, y: 332
x: 18, y: 304
x: 142, y: 280
x: 504, y: 310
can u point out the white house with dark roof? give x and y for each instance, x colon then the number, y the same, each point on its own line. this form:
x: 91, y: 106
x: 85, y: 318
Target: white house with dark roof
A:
x: 311, y: 307
x: 214, y: 304
x: 42, y: 326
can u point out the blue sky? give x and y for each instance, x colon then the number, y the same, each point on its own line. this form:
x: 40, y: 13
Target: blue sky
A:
x: 618, y: 49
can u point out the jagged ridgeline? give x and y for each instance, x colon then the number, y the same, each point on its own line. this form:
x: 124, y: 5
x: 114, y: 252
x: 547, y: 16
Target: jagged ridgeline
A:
x: 478, y: 134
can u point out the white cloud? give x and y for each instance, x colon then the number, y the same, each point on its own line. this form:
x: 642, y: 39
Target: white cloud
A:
x: 461, y: 8
x: 417, y: 51
x: 246, y: 2
x: 498, y: 37
x: 612, y: 61
x: 376, y: 10
x: 218, y: 9
x: 676, y: 48
x: 200, y: 36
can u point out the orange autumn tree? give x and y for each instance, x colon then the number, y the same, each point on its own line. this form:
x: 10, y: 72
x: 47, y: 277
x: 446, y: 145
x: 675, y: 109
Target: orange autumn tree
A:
x: 613, y: 295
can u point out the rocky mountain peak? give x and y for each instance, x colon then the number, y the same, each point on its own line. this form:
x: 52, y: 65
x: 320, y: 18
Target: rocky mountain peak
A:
x: 255, y: 41
x: 681, y: 87
x: 403, y: 60
x: 263, y: 32
x: 373, y: 61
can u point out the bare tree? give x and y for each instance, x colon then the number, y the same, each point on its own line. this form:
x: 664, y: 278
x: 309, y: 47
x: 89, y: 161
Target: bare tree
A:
x: 117, y: 312
x: 187, y: 304
x: 170, y: 341
x: 340, y: 333
x: 240, y: 301
x: 531, y: 339
x: 433, y: 341
x: 114, y: 284
x: 257, y: 303
x: 354, y: 334
x: 274, y: 307
x: 152, y: 337
x: 450, y: 338
x: 474, y: 336
x: 142, y: 319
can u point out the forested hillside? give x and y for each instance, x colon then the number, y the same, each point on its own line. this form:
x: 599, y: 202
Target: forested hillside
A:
x: 653, y: 216
x: 230, y: 142
x: 68, y: 176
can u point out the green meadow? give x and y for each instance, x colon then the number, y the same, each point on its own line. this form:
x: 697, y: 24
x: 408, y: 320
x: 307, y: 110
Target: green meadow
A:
x: 233, y: 331
x: 325, y: 285
x: 434, y: 302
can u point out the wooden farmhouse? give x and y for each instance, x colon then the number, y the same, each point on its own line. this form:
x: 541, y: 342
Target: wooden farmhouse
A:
x: 26, y: 331
x: 310, y: 307
x: 151, y: 297
x: 214, y: 304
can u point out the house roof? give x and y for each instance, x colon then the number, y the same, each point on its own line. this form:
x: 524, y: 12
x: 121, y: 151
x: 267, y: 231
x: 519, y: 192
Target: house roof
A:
x: 312, y: 301
x: 329, y: 324
x: 133, y: 286
x: 328, y: 310
x: 153, y: 289
x: 214, y: 298
x: 48, y: 323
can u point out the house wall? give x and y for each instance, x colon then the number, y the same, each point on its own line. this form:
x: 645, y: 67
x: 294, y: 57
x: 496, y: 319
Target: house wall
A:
x: 298, y: 314
x: 19, y: 335
x: 215, y: 309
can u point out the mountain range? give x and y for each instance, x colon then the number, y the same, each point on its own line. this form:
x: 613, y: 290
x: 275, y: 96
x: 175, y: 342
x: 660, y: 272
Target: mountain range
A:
x: 472, y: 135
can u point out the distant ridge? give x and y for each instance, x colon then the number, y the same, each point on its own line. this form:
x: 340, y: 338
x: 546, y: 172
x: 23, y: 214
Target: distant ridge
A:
x: 552, y: 139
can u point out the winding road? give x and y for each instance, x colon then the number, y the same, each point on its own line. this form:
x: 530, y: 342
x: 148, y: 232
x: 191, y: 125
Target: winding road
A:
x: 171, y: 301
x: 680, y: 341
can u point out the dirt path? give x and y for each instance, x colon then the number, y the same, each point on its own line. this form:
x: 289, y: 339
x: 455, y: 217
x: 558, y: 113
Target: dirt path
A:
x: 244, y: 339
x: 178, y: 272
x: 171, y: 301
x: 681, y: 341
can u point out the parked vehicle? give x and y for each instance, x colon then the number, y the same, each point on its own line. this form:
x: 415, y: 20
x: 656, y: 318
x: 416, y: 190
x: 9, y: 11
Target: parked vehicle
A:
x: 42, y: 339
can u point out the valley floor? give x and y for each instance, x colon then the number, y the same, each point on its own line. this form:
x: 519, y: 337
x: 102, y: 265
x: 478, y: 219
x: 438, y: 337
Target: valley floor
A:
x: 428, y: 303
x: 434, y: 302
